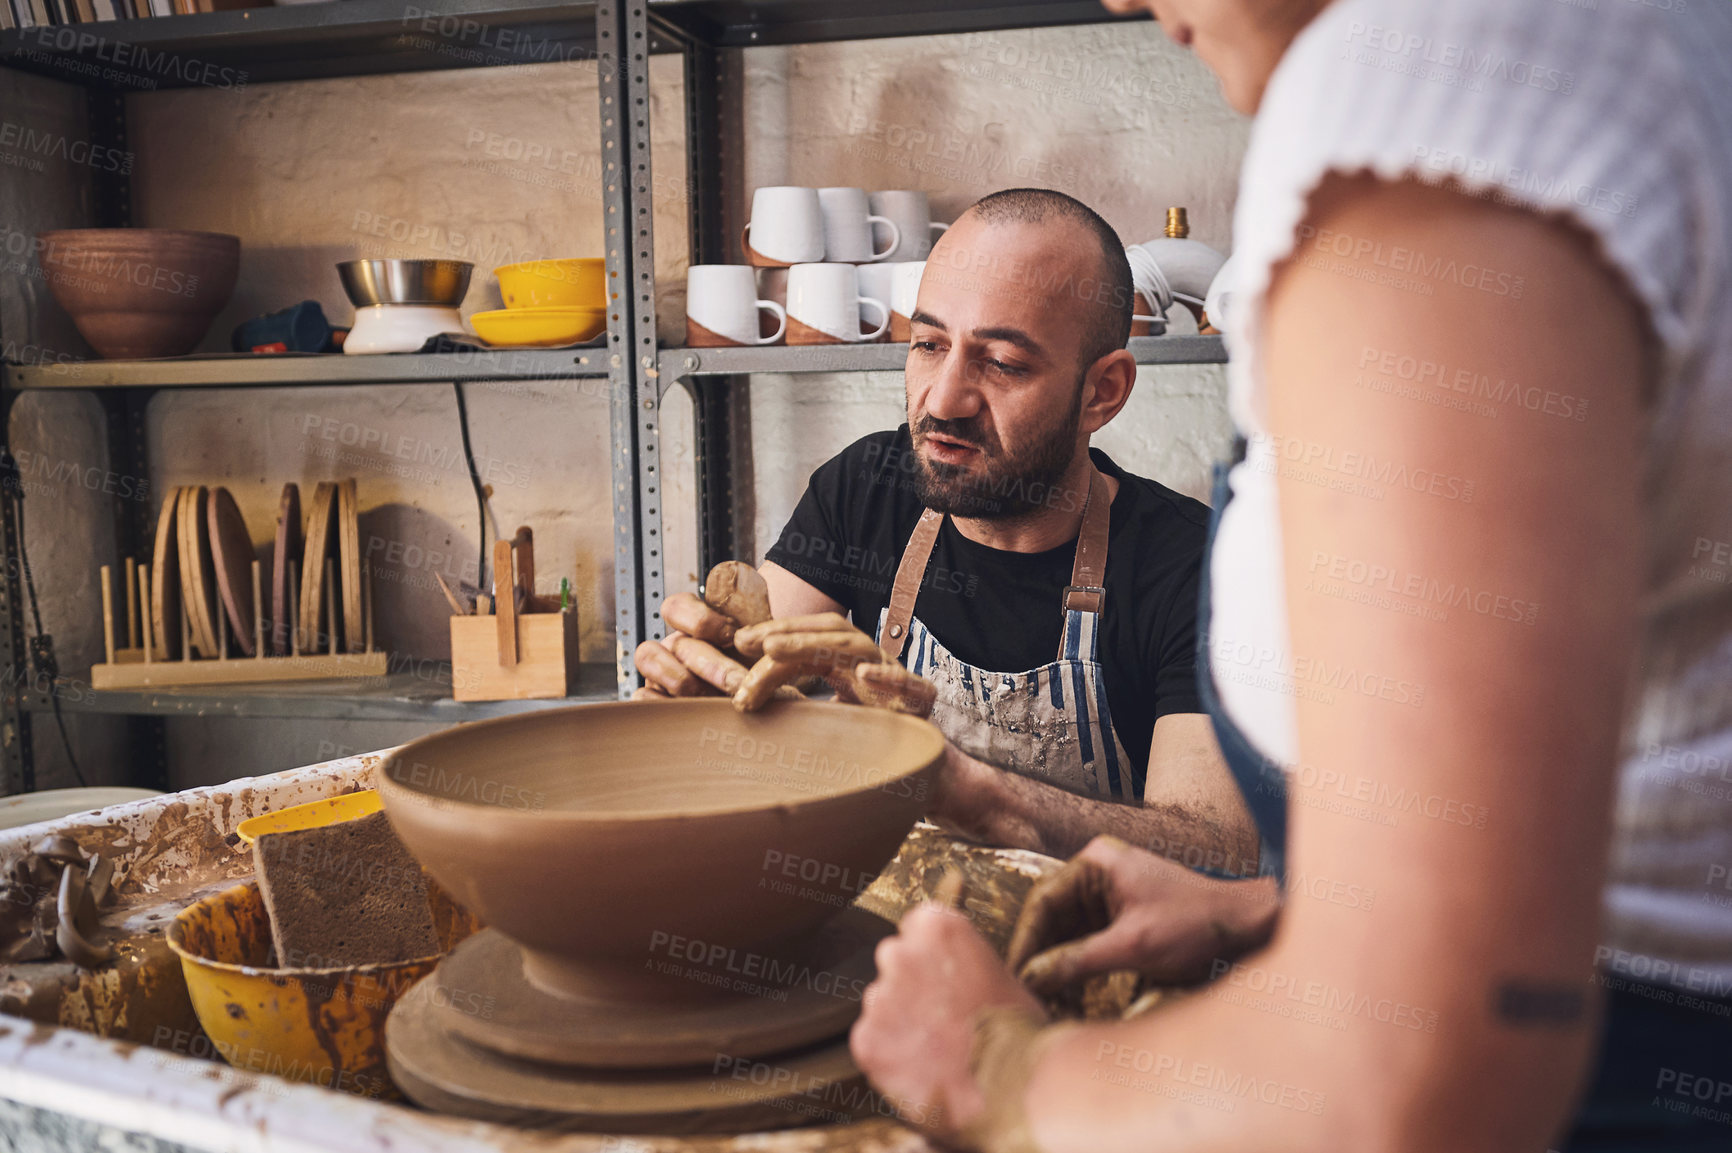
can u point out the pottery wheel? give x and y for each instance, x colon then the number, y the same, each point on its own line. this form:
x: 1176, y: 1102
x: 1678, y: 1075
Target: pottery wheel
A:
x: 727, y: 1094
x: 762, y: 1004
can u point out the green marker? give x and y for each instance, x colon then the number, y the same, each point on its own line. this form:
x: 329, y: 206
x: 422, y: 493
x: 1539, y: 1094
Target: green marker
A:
x: 564, y: 593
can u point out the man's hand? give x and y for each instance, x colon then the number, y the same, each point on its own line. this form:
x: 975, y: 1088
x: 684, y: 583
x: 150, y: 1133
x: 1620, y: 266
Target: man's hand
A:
x: 826, y: 645
x: 691, y: 661
x: 1116, y: 907
x: 915, y: 1035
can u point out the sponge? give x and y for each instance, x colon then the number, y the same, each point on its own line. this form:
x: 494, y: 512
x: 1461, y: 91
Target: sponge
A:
x: 344, y: 894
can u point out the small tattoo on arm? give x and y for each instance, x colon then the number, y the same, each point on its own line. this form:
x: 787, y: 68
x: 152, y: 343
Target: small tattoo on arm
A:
x: 1531, y: 1004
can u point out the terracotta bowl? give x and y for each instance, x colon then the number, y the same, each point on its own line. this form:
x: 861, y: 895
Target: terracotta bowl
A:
x: 600, y: 837
x: 136, y: 293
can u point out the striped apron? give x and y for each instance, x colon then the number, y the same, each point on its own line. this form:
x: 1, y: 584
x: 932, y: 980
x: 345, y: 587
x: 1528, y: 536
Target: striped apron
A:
x: 1051, y: 723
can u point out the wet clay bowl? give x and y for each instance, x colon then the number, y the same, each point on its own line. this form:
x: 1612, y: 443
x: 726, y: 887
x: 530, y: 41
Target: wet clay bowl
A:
x: 137, y: 293
x: 321, y: 1026
x: 606, y: 838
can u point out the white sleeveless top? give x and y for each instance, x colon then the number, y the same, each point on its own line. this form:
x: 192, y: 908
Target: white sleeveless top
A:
x: 1616, y: 114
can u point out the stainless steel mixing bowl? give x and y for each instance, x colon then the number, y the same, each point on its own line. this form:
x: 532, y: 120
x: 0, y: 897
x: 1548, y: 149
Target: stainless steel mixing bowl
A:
x: 441, y: 282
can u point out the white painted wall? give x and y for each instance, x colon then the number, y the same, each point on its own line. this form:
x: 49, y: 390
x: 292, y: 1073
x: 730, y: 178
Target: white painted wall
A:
x: 500, y: 164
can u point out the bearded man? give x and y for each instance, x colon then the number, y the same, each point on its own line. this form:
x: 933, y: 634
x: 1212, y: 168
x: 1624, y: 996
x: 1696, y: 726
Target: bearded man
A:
x: 1041, y: 598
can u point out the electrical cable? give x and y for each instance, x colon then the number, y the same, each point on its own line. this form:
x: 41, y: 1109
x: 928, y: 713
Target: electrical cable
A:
x: 41, y: 645
x: 475, y: 481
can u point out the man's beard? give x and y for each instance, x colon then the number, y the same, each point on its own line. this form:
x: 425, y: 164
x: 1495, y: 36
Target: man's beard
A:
x: 1006, y: 486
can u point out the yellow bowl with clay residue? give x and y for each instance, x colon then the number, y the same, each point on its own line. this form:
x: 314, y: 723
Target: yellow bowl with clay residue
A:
x: 312, y: 815
x: 320, y: 1026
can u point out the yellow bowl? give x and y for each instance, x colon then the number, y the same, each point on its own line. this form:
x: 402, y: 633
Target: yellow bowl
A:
x: 580, y: 282
x: 312, y: 815
x: 539, y: 327
x: 320, y: 1026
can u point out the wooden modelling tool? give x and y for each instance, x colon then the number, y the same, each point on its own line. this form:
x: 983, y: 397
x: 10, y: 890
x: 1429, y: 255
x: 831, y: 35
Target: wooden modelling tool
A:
x: 450, y: 597
x: 132, y: 620
x: 349, y: 567
x: 504, y: 595
x: 165, y: 579
x: 287, y: 551
x: 108, y: 614
x: 523, y: 556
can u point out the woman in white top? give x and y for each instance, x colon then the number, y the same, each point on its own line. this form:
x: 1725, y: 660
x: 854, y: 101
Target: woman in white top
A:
x: 1471, y: 627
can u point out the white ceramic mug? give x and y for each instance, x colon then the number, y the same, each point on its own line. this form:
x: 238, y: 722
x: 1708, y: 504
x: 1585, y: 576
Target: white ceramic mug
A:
x: 876, y: 283
x: 849, y: 228
x: 912, y: 214
x: 824, y: 304
x: 787, y: 227
x: 904, y: 292
x: 722, y: 307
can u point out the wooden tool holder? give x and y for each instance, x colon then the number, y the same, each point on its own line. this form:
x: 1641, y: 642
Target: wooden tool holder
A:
x: 525, y: 648
x: 136, y: 666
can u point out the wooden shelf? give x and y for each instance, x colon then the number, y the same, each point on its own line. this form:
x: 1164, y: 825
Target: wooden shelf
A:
x: 419, y: 694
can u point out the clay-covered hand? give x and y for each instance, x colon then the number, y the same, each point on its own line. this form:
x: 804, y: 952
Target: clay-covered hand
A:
x: 915, y: 1035
x: 692, y: 660
x: 1115, y: 907
x: 827, y: 646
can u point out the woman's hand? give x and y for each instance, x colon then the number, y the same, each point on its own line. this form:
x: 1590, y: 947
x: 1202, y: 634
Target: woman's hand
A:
x: 1114, y: 907
x: 915, y: 1036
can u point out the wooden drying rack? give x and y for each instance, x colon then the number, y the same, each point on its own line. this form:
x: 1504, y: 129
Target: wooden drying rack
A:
x: 136, y: 667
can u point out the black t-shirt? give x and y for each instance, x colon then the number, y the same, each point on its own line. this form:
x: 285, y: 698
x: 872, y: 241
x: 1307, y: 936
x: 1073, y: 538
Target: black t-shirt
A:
x: 1000, y: 610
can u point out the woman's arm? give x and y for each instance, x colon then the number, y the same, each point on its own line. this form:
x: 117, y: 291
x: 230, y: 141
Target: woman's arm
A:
x: 1517, y: 610
x: 1455, y: 1010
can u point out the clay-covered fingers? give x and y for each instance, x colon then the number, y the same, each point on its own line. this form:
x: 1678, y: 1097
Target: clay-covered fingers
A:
x: 686, y: 613
x: 751, y: 641
x: 762, y: 682
x: 1069, y: 904
x: 649, y: 693
x: 664, y: 671
x: 887, y: 685
x: 738, y: 591
x: 709, y: 663
x: 835, y: 650
x: 1116, y: 948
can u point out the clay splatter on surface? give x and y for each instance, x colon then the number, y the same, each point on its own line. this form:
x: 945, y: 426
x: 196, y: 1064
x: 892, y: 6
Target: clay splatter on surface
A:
x: 168, y: 851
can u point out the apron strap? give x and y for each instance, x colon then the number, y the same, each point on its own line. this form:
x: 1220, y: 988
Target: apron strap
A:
x: 909, y: 575
x: 1086, y: 591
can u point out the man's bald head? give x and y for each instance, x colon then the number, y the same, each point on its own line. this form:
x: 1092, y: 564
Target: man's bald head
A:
x: 1109, y: 302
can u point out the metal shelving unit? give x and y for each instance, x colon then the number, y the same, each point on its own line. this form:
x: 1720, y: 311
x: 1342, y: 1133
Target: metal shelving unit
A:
x: 231, y: 50
x: 679, y: 364
x: 361, y: 37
